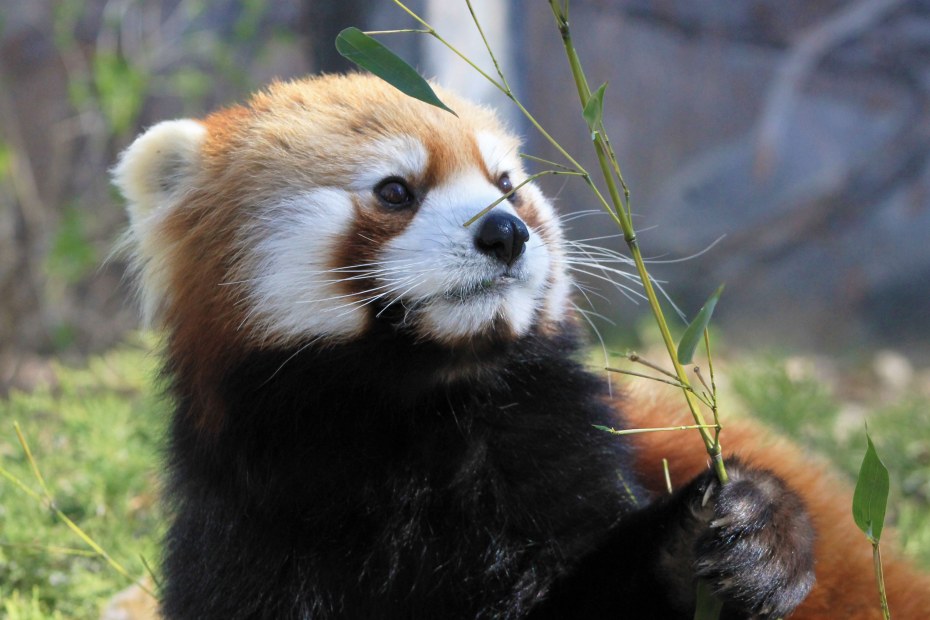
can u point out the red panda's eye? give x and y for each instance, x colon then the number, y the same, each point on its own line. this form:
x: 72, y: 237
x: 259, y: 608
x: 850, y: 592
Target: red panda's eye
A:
x: 394, y: 192
x: 506, y: 185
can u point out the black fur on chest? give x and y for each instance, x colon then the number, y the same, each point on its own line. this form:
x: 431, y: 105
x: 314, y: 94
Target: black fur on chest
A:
x: 352, y: 481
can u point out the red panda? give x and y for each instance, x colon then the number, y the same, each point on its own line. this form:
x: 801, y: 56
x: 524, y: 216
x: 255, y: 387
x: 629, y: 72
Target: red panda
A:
x: 379, y: 411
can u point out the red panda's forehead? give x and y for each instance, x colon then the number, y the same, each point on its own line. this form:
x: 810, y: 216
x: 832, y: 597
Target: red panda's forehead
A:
x: 321, y: 132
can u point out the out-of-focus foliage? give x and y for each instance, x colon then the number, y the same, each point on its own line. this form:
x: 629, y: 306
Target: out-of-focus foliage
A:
x: 78, y: 80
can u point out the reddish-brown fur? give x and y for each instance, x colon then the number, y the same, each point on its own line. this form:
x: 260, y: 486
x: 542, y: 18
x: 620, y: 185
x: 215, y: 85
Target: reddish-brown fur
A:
x: 845, y: 586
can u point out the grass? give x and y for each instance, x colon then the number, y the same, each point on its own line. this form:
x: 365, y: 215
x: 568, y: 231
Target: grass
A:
x: 96, y: 431
x: 95, y: 435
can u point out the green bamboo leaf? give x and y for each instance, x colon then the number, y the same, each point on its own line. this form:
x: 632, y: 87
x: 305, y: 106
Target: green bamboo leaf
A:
x: 371, y: 55
x: 695, y: 330
x: 871, y: 495
x: 594, y: 108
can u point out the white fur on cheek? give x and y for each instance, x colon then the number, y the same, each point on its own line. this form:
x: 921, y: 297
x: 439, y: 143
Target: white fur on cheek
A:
x: 447, y: 291
x: 293, y: 292
x: 558, y: 298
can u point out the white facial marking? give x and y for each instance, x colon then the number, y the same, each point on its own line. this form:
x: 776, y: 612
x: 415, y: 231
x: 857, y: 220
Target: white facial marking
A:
x: 500, y: 154
x: 400, y: 156
x: 294, y: 290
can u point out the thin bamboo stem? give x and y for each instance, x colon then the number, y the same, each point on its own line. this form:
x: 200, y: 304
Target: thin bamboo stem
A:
x: 658, y: 429
x: 880, y: 578
x: 604, y: 160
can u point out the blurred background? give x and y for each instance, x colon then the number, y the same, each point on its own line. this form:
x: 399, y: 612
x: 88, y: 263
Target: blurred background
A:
x: 786, y: 138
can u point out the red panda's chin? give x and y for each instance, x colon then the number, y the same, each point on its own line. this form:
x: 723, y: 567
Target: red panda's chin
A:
x: 496, y: 315
x: 508, y: 314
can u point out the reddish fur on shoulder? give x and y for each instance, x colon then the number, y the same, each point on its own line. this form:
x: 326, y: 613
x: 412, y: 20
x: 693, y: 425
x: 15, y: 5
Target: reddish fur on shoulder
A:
x: 845, y: 586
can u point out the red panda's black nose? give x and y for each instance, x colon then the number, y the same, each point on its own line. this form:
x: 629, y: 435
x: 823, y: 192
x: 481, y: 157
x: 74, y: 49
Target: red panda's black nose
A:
x: 502, y: 236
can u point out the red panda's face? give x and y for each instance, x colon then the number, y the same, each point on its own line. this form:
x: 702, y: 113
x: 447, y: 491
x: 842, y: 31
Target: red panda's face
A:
x: 329, y: 205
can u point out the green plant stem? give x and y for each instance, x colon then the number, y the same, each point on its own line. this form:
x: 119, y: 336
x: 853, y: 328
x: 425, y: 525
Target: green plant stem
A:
x: 636, y: 358
x: 880, y: 578
x: 708, y: 607
x: 540, y: 160
x: 632, y: 373
x: 50, y: 549
x: 673, y: 382
x: 487, y: 45
x: 712, y: 444
x: 432, y: 32
x: 372, y: 33
x: 715, y: 407
x: 658, y: 429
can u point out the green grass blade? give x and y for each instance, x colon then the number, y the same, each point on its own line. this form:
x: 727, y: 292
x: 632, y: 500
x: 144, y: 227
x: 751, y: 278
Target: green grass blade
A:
x: 371, y: 55
x: 870, y: 498
x: 695, y: 331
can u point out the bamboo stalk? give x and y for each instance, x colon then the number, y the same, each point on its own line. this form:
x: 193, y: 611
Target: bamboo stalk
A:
x: 880, y: 578
x: 611, y: 175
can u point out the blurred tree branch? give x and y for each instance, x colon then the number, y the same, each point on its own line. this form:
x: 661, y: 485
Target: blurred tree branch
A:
x: 812, y: 45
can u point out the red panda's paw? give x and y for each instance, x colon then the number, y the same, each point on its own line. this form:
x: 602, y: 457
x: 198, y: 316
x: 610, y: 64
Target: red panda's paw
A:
x: 757, y: 551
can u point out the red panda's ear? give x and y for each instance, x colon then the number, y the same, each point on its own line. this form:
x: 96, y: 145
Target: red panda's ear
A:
x: 158, y: 166
x: 154, y: 174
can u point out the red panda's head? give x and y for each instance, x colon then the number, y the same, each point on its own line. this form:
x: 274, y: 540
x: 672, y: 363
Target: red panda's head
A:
x: 324, y: 206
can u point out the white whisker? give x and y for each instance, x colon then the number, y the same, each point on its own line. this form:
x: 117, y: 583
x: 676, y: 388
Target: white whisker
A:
x: 600, y: 251
x: 598, y: 315
x: 300, y: 350
x: 615, y: 236
x: 576, y: 215
x: 586, y: 291
x: 655, y: 261
x: 604, y: 268
x: 600, y: 339
x: 398, y: 298
x: 346, y: 295
x: 628, y: 292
